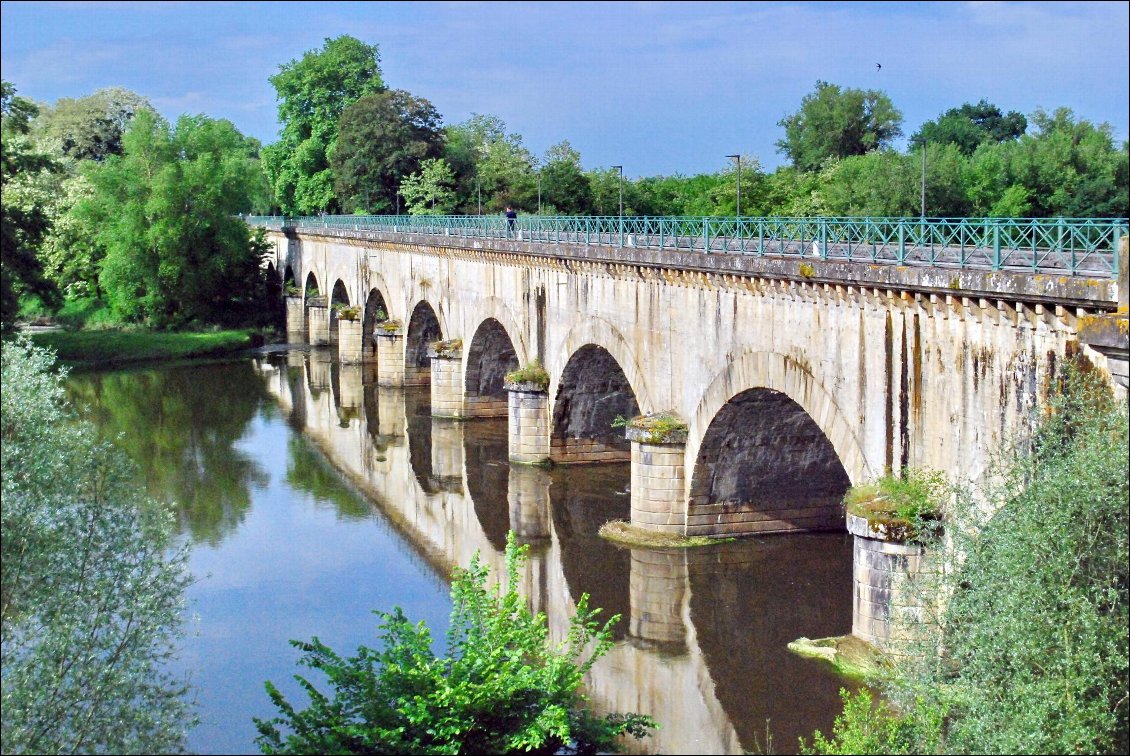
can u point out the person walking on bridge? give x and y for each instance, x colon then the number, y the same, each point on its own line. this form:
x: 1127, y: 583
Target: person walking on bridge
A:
x: 511, y: 220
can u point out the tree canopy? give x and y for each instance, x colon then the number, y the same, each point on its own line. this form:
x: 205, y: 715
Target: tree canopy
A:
x: 313, y: 93
x: 970, y: 126
x: 838, y: 123
x: 382, y: 137
x: 91, y: 127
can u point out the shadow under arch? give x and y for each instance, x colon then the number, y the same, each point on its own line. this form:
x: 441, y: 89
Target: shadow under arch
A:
x: 339, y: 298
x: 771, y: 451
x: 376, y: 310
x: 490, y: 357
x: 423, y: 329
x: 591, y: 393
x: 601, y: 333
x: 311, y: 289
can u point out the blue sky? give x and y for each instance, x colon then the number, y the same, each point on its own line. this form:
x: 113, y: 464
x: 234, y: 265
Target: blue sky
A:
x: 661, y: 88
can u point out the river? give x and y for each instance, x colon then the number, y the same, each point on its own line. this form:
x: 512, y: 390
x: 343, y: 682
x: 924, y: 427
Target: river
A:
x: 309, y: 497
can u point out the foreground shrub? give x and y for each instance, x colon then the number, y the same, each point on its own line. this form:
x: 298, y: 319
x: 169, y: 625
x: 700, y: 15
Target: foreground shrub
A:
x: 91, y: 600
x: 1030, y: 652
x: 502, y: 688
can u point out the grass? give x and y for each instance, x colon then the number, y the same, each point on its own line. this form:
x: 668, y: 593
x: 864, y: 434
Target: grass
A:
x: 117, y: 347
x: 621, y: 532
x: 851, y: 657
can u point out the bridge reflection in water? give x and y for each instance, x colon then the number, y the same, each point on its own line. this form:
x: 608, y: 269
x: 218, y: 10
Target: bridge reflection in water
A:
x: 701, y: 646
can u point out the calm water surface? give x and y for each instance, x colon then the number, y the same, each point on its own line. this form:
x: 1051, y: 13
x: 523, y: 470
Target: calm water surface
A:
x: 310, y: 498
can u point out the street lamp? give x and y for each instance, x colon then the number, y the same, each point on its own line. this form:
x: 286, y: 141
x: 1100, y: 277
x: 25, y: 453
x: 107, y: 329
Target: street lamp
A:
x: 539, y: 192
x: 621, y: 169
x: 479, y: 191
x: 738, y: 211
x: 923, y: 179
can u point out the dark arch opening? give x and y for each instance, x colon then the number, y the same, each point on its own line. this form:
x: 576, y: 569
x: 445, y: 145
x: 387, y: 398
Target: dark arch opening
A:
x: 311, y: 289
x: 485, y: 450
x: 423, y: 329
x: 765, y: 466
x: 592, y: 393
x: 489, y: 359
x: 375, y: 311
x: 288, y: 278
x: 339, y: 298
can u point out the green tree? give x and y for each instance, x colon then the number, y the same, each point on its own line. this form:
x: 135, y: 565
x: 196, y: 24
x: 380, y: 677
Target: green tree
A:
x: 23, y: 221
x: 564, y: 185
x: 428, y: 192
x: 835, y: 123
x: 313, y: 93
x: 93, y: 583
x: 970, y: 126
x: 502, y: 688
x: 89, y: 128
x: 1029, y: 655
x: 485, y: 158
x: 164, y: 211
x: 381, y: 139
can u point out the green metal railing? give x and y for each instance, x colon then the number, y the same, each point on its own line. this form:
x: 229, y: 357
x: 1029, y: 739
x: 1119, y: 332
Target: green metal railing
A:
x: 1059, y: 246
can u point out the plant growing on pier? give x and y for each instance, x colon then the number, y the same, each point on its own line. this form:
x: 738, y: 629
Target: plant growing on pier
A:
x: 908, y: 507
x: 502, y: 688
x: 533, y: 373
x: 389, y: 326
x: 347, y: 312
x: 656, y: 428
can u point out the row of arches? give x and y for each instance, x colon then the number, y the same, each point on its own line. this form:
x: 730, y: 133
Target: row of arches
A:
x: 757, y: 451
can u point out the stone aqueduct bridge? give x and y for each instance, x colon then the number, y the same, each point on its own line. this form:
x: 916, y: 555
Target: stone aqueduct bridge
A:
x: 795, y: 377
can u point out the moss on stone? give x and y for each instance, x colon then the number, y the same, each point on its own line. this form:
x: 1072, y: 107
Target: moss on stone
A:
x: 531, y: 374
x: 852, y: 657
x: 627, y: 534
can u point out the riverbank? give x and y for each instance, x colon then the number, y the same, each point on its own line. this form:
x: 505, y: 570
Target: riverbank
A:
x: 111, y: 348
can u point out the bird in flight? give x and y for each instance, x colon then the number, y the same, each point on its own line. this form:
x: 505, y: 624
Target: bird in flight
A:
x: 878, y: 67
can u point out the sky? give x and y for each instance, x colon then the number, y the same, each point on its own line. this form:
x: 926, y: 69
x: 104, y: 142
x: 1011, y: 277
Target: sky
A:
x: 660, y: 88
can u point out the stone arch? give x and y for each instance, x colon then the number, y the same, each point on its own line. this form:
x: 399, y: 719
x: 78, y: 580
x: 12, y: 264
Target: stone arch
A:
x: 770, y: 451
x: 600, y: 332
x: 274, y: 289
x: 423, y: 328
x: 375, y: 304
x: 288, y: 277
x: 311, y: 288
x: 489, y: 357
x: 592, y: 392
x: 339, y: 296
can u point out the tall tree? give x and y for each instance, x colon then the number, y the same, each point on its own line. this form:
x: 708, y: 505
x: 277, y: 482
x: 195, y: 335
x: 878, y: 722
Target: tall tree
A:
x: 429, y: 192
x: 565, y: 188
x: 835, y: 123
x: 164, y: 210
x: 381, y: 139
x: 22, y: 223
x: 313, y: 92
x: 970, y: 126
x: 502, y: 168
x: 89, y: 128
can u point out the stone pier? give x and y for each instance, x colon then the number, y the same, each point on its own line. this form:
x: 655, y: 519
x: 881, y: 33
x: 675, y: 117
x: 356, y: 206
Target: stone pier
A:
x: 447, y: 455
x: 350, y: 349
x: 528, y: 423
x: 528, y: 497
x: 295, y: 321
x: 390, y: 359
x: 884, y: 567
x: 447, y: 380
x: 319, y: 319
x: 658, y: 480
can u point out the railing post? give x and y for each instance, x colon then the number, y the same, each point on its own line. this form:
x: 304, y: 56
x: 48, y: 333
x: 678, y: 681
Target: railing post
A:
x: 902, y: 240
x: 996, y: 245
x: 761, y: 236
x: 824, y: 238
x: 706, y: 235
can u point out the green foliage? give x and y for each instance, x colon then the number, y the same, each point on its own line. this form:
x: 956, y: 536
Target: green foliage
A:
x: 970, y: 126
x: 564, y: 185
x: 24, y: 220
x: 502, y: 688
x: 835, y: 123
x: 865, y: 726
x: 914, y: 500
x: 382, y: 138
x: 532, y: 373
x: 313, y: 93
x: 93, y: 584
x: 429, y: 192
x: 106, y: 346
x: 91, y: 127
x: 485, y: 158
x: 164, y: 213
x: 1029, y: 654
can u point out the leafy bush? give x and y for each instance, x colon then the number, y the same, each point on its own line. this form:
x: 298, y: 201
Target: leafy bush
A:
x: 532, y: 373
x: 91, y: 598
x: 1029, y: 655
x: 502, y: 688
x: 912, y: 502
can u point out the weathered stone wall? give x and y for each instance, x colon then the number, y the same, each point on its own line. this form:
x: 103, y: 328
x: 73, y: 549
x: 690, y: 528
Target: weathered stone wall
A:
x: 920, y: 368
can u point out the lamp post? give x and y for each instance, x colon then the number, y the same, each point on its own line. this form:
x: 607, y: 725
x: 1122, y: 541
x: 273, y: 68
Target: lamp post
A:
x: 539, y: 192
x: 479, y: 191
x: 620, y: 168
x: 738, y: 210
